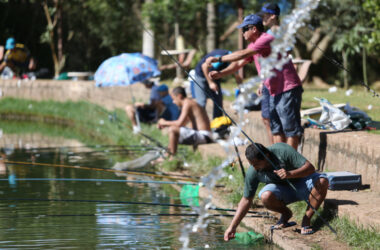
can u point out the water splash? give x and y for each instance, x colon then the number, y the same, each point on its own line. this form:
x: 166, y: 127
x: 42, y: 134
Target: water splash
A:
x: 284, y: 38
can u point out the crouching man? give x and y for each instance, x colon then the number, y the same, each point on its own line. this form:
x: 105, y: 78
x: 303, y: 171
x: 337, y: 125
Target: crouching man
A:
x: 277, y: 194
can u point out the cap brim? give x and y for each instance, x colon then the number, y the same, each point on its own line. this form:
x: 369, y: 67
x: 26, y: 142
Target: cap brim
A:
x: 261, y: 14
x: 241, y: 25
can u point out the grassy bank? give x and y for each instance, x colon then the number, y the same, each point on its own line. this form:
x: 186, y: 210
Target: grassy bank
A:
x: 92, y: 124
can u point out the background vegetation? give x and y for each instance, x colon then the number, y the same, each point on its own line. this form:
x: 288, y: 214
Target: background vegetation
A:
x: 83, y: 33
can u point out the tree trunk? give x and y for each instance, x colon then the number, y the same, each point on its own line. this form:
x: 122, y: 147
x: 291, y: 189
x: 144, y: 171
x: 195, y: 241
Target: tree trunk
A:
x: 345, y: 64
x: 240, y: 7
x: 313, y: 40
x: 179, y: 46
x: 51, y: 26
x: 211, y: 18
x: 148, y: 38
x: 61, y: 57
x: 365, y: 79
x: 322, y: 46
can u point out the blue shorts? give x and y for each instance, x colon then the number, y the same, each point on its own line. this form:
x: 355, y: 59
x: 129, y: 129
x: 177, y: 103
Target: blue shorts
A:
x: 285, y: 116
x: 285, y: 193
x: 265, y: 102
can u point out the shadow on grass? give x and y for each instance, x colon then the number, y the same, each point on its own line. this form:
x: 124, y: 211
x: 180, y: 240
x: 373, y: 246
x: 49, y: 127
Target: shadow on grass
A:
x: 329, y: 212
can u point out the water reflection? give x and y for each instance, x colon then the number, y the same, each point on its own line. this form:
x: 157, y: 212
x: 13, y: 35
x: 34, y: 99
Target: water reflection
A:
x: 49, y: 220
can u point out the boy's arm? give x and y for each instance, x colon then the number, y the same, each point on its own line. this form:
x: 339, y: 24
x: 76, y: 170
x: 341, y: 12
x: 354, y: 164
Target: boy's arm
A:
x: 213, y: 86
x: 181, y: 121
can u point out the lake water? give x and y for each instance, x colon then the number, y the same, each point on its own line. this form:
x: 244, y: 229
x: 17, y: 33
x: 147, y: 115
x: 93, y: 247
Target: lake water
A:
x: 50, y: 206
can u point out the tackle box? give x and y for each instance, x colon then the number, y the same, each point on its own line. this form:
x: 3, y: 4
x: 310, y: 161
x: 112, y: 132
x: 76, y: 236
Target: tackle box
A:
x: 344, y: 180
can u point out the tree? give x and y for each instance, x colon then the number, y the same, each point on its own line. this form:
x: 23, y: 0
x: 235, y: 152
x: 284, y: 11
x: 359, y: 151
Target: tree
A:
x: 54, y: 26
x: 345, y: 25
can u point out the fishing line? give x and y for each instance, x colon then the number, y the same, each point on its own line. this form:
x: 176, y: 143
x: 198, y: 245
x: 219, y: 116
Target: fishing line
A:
x: 233, y: 121
x: 96, y: 169
x: 339, y: 65
x: 264, y: 214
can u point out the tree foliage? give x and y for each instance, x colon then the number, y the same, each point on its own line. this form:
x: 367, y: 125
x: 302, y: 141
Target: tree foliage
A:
x: 93, y: 30
x: 353, y: 33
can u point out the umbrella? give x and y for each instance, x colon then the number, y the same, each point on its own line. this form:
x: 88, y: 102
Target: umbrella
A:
x: 126, y: 69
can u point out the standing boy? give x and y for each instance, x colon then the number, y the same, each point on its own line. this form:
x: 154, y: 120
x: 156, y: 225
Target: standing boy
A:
x: 206, y: 84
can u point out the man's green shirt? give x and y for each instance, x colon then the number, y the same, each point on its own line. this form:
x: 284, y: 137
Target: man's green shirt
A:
x: 286, y: 157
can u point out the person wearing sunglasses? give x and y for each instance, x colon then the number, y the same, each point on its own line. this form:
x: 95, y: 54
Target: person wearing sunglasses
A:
x: 284, y: 87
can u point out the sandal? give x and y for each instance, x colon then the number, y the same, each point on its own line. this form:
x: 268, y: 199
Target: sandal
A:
x: 307, y: 230
x: 280, y: 225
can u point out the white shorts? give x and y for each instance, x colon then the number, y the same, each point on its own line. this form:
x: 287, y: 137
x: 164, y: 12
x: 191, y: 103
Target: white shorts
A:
x: 190, y: 136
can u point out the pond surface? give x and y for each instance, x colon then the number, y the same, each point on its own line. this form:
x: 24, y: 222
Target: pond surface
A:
x: 61, y: 207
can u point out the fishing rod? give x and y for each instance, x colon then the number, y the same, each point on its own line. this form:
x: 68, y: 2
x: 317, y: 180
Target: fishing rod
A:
x: 105, y: 147
x: 104, y: 180
x: 159, y: 144
x: 240, y: 162
x: 237, y: 125
x: 121, y: 214
x: 97, y: 169
x: 126, y: 171
x: 264, y: 214
x: 116, y: 150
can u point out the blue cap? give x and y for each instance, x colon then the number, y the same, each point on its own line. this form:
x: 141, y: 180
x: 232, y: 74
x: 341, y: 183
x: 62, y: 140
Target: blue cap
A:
x: 10, y: 44
x: 251, y: 20
x: 163, y: 88
x: 270, y: 8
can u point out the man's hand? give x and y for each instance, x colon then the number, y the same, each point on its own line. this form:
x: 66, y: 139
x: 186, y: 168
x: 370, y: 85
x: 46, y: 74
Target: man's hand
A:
x: 282, y: 173
x: 259, y: 91
x: 210, y: 60
x: 229, y: 234
x: 215, y: 75
x: 214, y: 87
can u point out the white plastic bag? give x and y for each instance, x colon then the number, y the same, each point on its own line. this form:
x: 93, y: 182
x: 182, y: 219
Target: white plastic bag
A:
x: 333, y: 117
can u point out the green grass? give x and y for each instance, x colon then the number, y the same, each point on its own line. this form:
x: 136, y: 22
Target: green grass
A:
x: 348, y: 232
x: 354, y: 236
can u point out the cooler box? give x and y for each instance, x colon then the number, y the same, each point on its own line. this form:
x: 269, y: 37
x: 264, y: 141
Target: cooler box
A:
x: 344, y: 180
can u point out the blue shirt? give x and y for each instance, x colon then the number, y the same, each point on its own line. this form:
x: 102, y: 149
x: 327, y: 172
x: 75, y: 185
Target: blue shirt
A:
x: 215, y: 66
x: 172, y: 111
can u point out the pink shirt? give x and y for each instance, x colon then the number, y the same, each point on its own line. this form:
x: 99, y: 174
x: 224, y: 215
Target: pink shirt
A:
x: 284, y: 80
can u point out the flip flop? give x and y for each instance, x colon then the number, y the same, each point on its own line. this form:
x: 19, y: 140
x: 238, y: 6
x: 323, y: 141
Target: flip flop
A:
x: 307, y: 232
x: 280, y: 225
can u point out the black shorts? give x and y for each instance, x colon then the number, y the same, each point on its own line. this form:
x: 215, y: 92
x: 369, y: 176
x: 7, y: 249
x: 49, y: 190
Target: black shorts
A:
x: 147, y: 115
